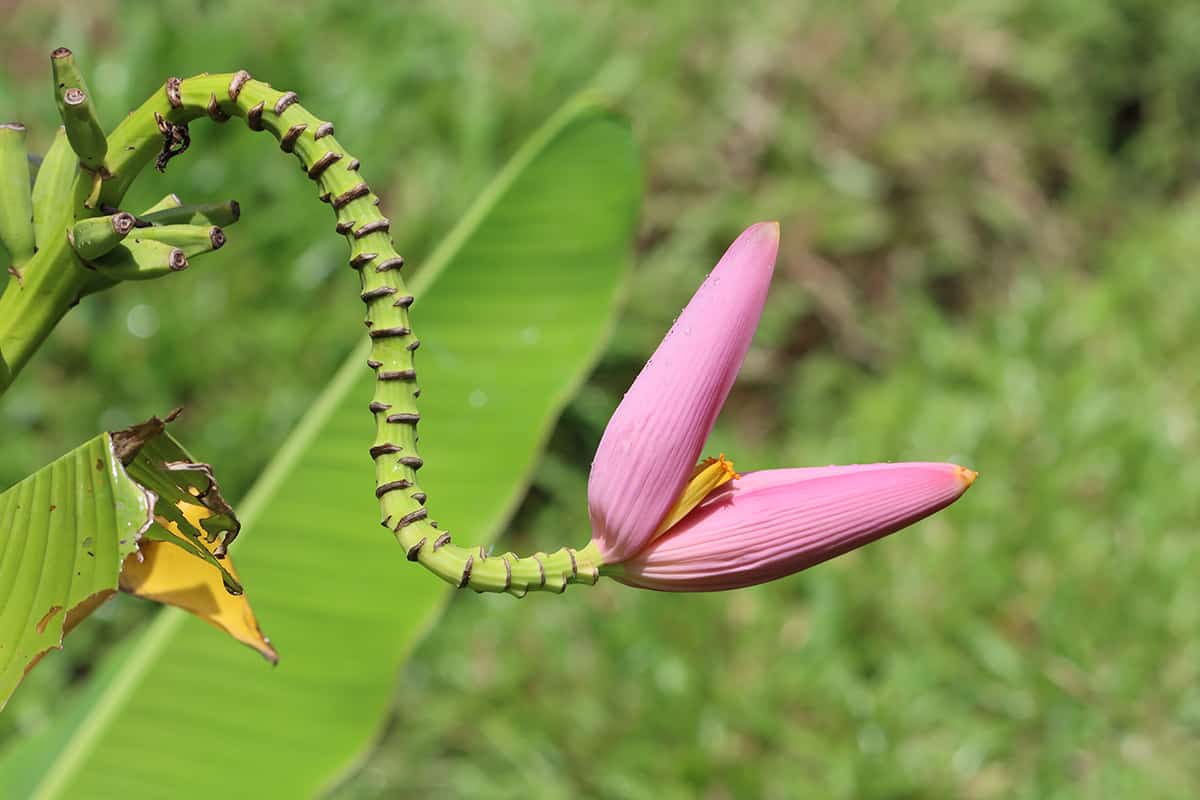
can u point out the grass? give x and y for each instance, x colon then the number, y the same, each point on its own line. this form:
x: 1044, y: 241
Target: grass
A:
x: 988, y: 257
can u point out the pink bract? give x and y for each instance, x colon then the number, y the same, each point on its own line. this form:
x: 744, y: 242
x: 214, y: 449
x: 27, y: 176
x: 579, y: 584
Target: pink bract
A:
x: 656, y: 435
x: 773, y: 523
x: 763, y: 525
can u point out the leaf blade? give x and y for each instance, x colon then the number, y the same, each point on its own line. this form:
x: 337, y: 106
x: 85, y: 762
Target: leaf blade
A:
x: 67, y: 528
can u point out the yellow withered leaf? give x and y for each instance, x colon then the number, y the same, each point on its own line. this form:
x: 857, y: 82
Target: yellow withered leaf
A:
x: 167, y: 573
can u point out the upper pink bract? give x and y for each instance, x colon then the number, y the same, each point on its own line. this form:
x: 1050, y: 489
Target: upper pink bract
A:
x: 656, y: 435
x: 773, y: 523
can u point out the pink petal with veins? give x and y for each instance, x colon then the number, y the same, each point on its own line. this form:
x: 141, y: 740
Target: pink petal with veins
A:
x: 656, y: 435
x: 773, y: 523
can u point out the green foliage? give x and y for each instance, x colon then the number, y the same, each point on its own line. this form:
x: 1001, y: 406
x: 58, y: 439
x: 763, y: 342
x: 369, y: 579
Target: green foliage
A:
x: 333, y: 589
x: 68, y: 528
x: 64, y: 532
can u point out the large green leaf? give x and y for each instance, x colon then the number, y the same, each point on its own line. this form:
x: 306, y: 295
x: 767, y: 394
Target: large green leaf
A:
x: 64, y: 532
x: 512, y: 310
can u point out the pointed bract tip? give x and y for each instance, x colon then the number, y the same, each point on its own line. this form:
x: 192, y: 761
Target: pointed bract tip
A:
x: 766, y: 231
x: 778, y: 522
x: 967, y: 476
x: 773, y: 227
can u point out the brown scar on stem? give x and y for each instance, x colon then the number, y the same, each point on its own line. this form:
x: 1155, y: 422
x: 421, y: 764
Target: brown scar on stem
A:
x: 414, y: 552
x: 214, y: 110
x: 387, y: 333
x: 323, y: 163
x: 350, y: 195
x: 392, y: 486
x: 373, y: 227
x: 392, y: 263
x: 323, y: 130
x: 236, y: 83
x: 285, y: 100
x: 254, y: 117
x: 362, y: 259
x: 375, y: 294
x: 287, y: 142
x: 410, y: 518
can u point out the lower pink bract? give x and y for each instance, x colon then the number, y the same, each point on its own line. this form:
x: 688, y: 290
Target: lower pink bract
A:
x: 773, y: 523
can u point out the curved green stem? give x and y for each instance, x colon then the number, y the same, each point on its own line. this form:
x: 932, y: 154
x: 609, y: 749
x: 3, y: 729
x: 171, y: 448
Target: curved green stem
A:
x: 222, y: 97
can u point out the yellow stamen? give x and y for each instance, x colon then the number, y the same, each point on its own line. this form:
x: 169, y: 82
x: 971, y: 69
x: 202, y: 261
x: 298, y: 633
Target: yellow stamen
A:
x: 707, y: 477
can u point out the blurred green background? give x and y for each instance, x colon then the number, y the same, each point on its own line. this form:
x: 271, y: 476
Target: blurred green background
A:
x: 990, y: 238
